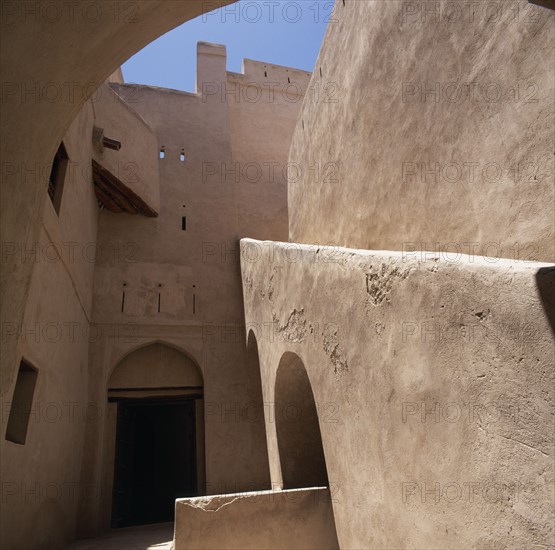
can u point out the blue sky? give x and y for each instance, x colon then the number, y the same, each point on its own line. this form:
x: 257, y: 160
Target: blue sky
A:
x: 282, y: 32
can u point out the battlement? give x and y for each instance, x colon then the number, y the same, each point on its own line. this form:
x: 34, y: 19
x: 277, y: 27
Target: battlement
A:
x: 211, y: 68
x: 260, y: 71
x: 289, y: 82
x: 209, y: 48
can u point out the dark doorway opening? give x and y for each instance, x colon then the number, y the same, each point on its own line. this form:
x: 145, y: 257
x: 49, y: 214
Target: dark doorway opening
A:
x: 155, y: 459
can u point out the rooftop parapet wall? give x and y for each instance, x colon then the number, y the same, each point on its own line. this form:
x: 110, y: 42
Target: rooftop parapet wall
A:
x: 258, y: 82
x: 440, y: 130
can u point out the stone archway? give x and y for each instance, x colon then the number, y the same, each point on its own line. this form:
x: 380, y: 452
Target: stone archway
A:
x: 154, y: 435
x: 301, y: 452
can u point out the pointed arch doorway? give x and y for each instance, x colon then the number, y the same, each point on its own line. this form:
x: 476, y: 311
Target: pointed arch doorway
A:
x: 156, y: 396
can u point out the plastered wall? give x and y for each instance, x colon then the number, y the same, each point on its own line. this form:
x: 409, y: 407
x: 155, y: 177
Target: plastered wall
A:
x: 42, y: 477
x: 433, y: 383
x: 288, y: 520
x: 45, y: 476
x: 429, y: 128
x: 175, y: 278
x: 76, y: 329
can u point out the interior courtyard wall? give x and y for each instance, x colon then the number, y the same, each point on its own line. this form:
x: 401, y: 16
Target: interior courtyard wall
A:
x: 432, y: 382
x: 42, y: 95
x: 429, y: 128
x: 54, y: 337
x: 181, y: 279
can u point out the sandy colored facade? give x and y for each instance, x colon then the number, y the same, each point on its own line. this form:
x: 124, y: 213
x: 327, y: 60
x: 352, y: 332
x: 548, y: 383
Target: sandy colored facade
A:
x: 437, y: 431
x: 441, y: 125
x: 373, y: 366
x: 150, y: 306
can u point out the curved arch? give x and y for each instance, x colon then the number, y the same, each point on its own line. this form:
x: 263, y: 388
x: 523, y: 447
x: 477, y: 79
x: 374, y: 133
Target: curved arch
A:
x: 143, y: 345
x: 155, y: 434
x: 301, y: 452
x: 155, y: 365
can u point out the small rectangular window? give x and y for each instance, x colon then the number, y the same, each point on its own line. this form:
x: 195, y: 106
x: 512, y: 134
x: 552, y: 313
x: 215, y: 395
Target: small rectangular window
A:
x: 22, y: 402
x: 57, y: 177
x: 184, y: 223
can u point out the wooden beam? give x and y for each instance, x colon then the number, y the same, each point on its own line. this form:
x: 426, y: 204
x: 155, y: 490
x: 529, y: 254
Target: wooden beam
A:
x: 116, y: 196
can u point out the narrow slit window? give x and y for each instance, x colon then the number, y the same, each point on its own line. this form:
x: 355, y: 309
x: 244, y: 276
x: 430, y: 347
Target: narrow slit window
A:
x: 194, y: 300
x: 57, y: 177
x: 22, y: 402
x: 183, y: 223
x: 162, y: 152
x: 182, y: 155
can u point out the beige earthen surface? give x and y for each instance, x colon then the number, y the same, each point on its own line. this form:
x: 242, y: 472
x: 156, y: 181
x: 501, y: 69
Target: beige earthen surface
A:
x: 290, y: 520
x: 50, y: 66
x: 433, y: 382
x: 182, y: 287
x: 42, y: 477
x: 429, y: 126
x: 155, y: 366
x: 125, y: 302
x: 136, y: 163
x: 432, y: 373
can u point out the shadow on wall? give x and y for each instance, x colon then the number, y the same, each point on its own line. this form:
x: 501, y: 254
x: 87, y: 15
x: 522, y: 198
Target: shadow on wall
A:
x: 301, y: 452
x: 545, y: 281
x: 258, y: 426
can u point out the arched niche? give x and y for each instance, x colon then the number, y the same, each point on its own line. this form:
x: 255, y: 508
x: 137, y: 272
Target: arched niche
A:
x: 155, y: 366
x: 300, y: 446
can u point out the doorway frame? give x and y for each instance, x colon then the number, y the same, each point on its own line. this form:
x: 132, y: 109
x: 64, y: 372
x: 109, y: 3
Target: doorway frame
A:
x: 110, y: 433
